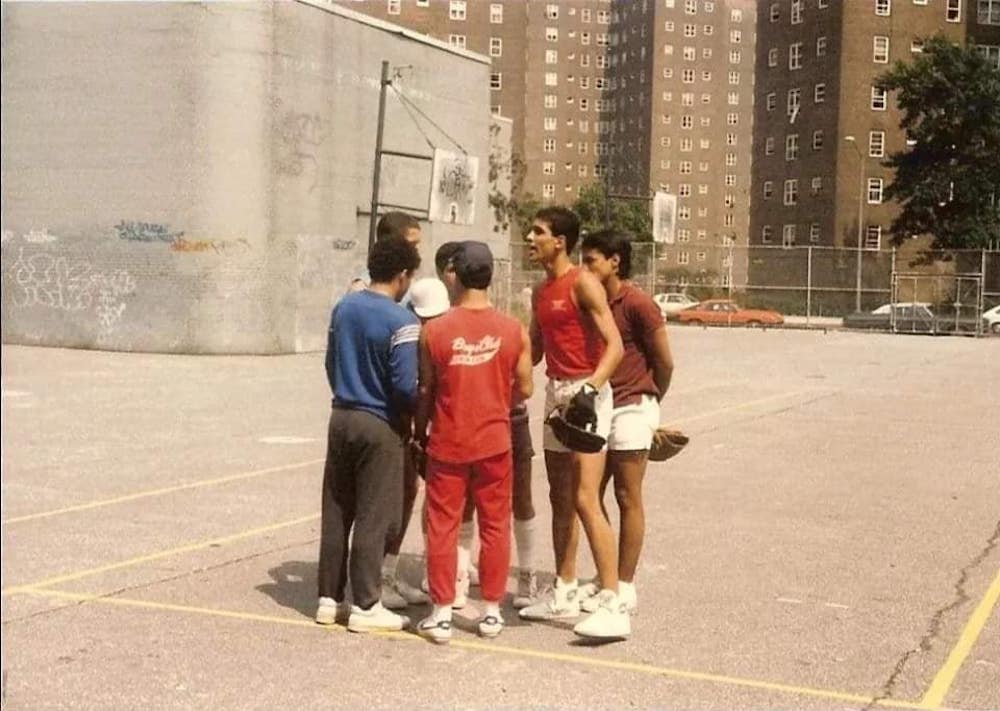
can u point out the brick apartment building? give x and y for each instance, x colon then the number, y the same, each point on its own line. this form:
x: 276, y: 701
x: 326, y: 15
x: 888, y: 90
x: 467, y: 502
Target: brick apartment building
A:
x: 683, y: 96
x: 821, y: 128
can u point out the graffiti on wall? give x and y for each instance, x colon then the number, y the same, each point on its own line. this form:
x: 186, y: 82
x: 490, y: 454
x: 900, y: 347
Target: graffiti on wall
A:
x: 133, y: 231
x: 299, y: 135
x: 217, y: 246
x: 54, y: 282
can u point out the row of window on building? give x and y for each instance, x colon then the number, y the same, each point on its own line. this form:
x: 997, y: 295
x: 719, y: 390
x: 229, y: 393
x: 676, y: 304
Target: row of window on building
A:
x: 872, y: 238
x: 790, y: 194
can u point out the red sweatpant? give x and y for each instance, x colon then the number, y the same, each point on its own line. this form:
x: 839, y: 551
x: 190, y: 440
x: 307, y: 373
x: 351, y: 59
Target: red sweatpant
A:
x: 447, y: 485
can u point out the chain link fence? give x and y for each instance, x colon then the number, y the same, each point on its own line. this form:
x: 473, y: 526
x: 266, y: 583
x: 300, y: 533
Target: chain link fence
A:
x: 808, y: 285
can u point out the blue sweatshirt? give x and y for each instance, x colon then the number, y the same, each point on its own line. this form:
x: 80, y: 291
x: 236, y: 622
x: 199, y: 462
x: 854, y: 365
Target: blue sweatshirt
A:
x: 371, y: 355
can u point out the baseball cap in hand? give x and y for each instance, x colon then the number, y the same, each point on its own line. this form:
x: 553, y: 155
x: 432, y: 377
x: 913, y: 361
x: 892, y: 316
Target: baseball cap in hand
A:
x: 429, y: 297
x: 474, y: 265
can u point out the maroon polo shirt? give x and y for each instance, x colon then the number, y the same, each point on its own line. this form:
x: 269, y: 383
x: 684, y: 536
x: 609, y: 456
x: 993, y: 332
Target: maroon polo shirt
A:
x: 638, y: 318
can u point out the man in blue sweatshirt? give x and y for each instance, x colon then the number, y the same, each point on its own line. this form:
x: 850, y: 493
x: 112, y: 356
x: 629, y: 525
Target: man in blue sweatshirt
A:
x: 371, y: 364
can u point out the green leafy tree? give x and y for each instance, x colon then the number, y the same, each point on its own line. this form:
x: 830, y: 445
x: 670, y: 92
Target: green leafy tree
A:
x: 948, y: 182
x: 629, y: 215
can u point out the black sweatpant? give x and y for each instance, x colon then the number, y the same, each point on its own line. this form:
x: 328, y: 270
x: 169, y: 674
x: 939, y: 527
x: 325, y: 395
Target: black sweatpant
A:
x: 363, y: 488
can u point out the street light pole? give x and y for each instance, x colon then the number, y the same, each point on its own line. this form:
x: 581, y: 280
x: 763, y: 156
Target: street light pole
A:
x: 861, y: 217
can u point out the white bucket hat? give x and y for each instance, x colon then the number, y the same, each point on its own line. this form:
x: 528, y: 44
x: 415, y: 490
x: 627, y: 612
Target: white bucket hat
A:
x: 429, y: 297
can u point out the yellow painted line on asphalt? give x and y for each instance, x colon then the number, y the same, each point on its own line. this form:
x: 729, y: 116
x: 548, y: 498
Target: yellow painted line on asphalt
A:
x: 493, y: 648
x: 946, y: 676
x: 743, y: 405
x: 78, y: 575
x: 161, y: 491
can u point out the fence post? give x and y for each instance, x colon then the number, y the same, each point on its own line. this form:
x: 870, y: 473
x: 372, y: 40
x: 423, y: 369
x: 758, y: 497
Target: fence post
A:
x: 809, y: 284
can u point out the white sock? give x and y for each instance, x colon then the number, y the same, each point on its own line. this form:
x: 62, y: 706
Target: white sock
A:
x: 524, y: 541
x: 493, y: 610
x: 389, y: 564
x: 465, y: 534
x: 626, y: 588
x: 441, y: 613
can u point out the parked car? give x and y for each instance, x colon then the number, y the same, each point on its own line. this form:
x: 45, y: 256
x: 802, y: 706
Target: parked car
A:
x: 672, y: 304
x: 910, y: 317
x: 991, y: 320
x: 725, y: 313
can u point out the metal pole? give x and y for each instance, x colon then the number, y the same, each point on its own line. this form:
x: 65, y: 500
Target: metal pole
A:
x: 809, y: 283
x: 377, y: 172
x: 861, y: 209
x: 607, y: 196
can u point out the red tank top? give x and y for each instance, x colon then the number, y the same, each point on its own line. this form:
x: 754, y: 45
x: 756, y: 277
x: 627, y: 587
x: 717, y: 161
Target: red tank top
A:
x: 573, y: 345
x: 475, y: 353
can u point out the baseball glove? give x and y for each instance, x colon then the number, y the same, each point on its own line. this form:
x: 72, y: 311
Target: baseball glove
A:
x: 667, y: 443
x: 578, y: 439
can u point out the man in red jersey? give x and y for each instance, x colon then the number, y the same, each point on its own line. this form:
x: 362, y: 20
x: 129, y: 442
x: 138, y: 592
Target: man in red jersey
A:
x: 572, y: 327
x: 474, y: 361
x: 639, y: 383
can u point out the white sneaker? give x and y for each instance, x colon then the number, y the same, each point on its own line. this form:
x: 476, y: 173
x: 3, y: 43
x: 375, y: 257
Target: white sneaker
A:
x: 588, y: 596
x: 559, y: 602
x: 527, y: 589
x: 490, y: 626
x: 412, y: 595
x: 376, y: 619
x: 330, y: 612
x: 627, y: 595
x: 461, y: 592
x: 609, y: 622
x: 437, y: 631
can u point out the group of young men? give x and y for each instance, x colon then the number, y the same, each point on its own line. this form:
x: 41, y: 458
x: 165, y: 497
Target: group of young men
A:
x: 437, y: 389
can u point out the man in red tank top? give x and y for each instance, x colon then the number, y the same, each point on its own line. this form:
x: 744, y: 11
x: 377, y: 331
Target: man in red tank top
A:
x: 573, y: 329
x: 474, y: 361
x: 639, y: 383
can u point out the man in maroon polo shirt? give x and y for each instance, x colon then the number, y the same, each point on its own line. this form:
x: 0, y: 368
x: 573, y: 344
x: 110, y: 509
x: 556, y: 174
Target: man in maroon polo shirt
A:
x: 639, y: 383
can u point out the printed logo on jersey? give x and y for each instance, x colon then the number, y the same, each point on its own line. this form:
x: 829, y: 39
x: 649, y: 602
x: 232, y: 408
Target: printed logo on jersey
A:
x: 558, y: 304
x: 463, y: 353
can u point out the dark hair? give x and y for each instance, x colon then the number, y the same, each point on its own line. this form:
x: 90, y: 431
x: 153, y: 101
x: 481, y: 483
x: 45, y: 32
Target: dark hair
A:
x: 445, y: 255
x: 611, y: 243
x: 390, y: 256
x: 562, y: 222
x: 395, y: 224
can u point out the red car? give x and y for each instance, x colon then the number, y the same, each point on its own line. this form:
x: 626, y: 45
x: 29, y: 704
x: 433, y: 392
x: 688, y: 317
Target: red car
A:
x: 722, y: 312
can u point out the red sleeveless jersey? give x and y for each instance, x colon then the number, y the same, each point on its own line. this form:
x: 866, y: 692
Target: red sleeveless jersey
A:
x: 573, y: 345
x: 475, y: 353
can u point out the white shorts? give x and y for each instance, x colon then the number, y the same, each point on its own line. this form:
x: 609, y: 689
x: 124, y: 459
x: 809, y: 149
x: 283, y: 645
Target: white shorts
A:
x: 632, y: 426
x: 558, y: 393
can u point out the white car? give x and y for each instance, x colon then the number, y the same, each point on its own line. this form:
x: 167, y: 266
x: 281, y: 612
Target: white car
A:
x: 991, y: 320
x: 671, y: 304
x: 886, y: 309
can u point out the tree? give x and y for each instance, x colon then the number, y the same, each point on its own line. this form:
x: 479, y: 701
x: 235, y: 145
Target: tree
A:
x: 628, y: 215
x: 948, y: 182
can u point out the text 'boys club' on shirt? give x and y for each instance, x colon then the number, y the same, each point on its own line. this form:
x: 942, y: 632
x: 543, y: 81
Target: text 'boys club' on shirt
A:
x: 475, y: 354
x: 573, y: 345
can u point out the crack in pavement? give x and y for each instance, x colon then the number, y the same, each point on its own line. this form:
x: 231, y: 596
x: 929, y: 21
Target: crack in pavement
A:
x: 150, y: 583
x: 937, y: 620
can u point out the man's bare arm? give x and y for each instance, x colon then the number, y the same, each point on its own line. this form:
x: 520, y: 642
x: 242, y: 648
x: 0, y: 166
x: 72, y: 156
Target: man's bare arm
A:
x: 524, y: 384
x: 537, y: 346
x: 663, y: 360
x: 592, y: 299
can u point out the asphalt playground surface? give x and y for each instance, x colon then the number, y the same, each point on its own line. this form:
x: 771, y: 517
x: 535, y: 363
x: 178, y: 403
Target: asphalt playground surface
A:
x: 829, y: 540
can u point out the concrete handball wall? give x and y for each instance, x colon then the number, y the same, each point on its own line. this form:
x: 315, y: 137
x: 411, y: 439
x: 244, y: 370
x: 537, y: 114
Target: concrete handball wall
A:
x: 188, y: 177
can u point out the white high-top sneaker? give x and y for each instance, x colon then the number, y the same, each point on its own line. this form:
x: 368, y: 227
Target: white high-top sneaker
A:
x: 559, y: 602
x: 609, y: 622
x: 329, y: 611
